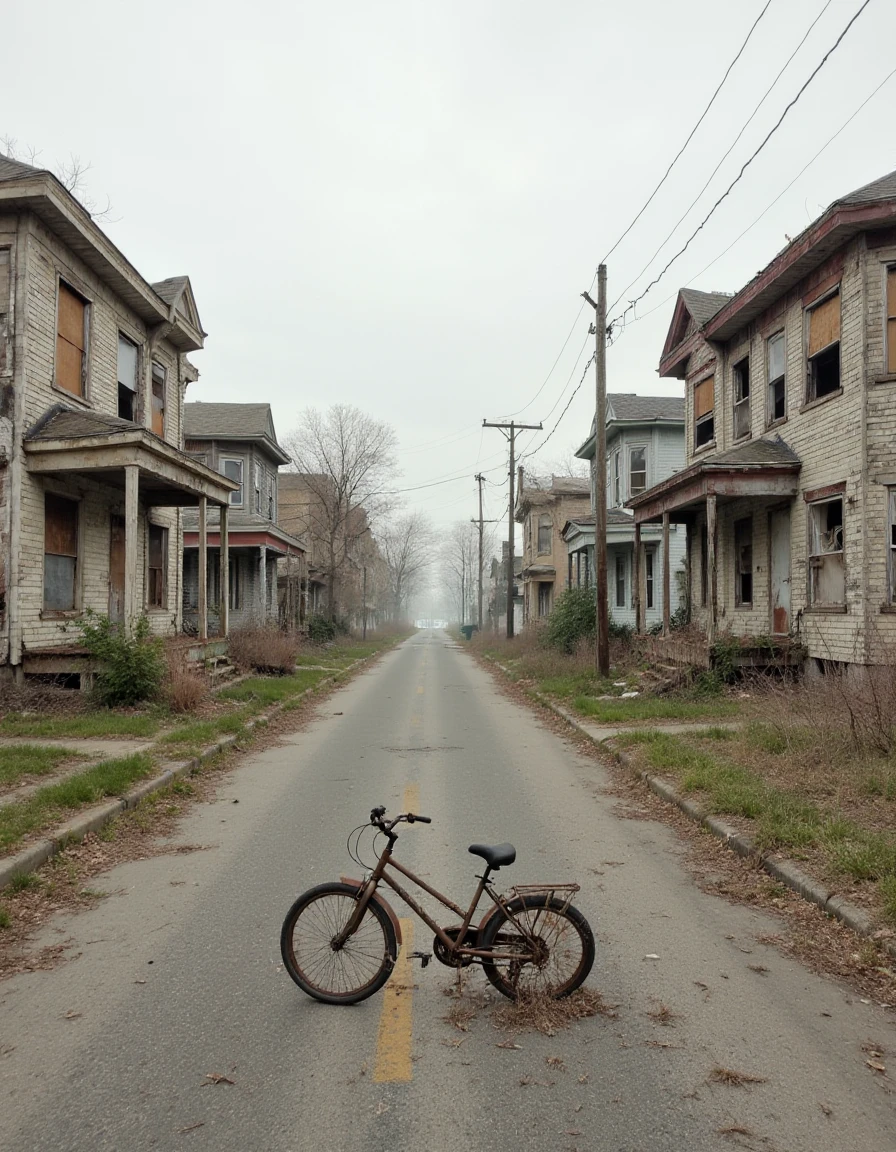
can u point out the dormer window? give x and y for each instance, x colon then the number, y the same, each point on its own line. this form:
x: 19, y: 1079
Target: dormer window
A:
x: 704, y: 412
x: 823, y: 368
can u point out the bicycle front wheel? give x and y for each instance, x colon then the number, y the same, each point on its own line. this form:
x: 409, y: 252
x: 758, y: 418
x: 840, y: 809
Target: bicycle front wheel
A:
x: 546, y: 947
x: 337, y: 974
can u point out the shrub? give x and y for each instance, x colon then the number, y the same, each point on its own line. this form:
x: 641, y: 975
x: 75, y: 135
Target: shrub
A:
x: 264, y: 648
x: 132, y: 666
x: 321, y: 630
x: 572, y: 618
x: 185, y: 687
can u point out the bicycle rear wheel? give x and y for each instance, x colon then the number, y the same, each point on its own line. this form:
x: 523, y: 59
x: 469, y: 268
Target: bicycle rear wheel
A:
x: 337, y: 975
x: 554, y: 965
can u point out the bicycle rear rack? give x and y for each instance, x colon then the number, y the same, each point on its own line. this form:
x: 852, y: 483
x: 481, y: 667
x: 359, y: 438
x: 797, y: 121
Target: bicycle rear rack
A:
x: 564, y: 892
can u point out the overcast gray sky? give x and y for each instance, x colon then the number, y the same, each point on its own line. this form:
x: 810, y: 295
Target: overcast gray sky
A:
x: 396, y: 204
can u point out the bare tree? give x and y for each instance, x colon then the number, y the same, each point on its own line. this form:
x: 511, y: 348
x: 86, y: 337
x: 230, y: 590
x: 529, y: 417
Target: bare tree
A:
x: 459, y: 564
x: 406, y: 543
x: 346, y: 460
x: 71, y: 173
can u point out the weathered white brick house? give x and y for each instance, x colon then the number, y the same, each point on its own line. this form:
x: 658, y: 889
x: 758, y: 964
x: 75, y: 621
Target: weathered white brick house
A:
x: 543, y: 509
x: 93, y: 369
x: 239, y: 441
x: 789, y: 487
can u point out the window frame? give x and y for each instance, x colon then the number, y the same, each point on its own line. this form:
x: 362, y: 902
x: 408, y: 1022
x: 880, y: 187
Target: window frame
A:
x: 740, y: 397
x: 223, y: 461
x: 63, y: 284
x: 632, y: 449
x: 812, y: 361
x: 161, y: 603
x: 620, y: 580
x: 617, y: 479
x: 55, y: 610
x: 891, y: 545
x: 649, y: 576
x: 550, y: 530
x: 814, y: 558
x: 272, y: 497
x: 163, y: 396
x: 544, y: 594
x: 743, y: 530
x: 706, y: 419
x: 889, y: 318
x: 258, y: 476
x: 123, y: 338
x: 771, y: 383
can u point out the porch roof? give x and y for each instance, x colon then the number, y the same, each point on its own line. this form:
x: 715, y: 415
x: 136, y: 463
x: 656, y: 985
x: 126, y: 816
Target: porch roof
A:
x: 65, y: 441
x: 251, y: 536
x: 534, y: 571
x: 760, y: 467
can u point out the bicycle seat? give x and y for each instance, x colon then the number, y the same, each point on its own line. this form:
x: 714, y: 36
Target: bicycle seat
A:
x: 495, y: 854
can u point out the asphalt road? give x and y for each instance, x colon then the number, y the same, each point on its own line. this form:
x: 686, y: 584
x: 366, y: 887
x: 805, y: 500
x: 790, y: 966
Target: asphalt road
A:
x: 180, y: 978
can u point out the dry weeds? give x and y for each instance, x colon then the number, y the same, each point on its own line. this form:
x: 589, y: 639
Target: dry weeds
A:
x: 733, y: 1078
x: 539, y: 1013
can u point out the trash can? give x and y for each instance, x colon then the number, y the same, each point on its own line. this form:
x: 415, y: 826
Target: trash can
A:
x: 468, y: 630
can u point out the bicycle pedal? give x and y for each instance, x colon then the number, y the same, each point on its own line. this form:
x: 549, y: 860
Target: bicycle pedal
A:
x: 423, y: 957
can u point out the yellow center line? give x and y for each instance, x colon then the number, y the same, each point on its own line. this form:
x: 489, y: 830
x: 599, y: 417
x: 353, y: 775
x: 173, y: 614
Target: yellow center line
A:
x: 393, y: 1043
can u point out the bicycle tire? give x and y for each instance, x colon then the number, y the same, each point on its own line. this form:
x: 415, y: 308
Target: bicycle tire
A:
x: 567, y: 948
x: 354, y: 972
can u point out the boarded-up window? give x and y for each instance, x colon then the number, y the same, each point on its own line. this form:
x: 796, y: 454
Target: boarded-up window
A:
x: 704, y: 405
x: 545, y: 526
x: 159, y: 376
x: 232, y: 468
x: 71, y: 341
x: 637, y: 471
x: 60, y: 553
x: 743, y: 560
x: 823, y: 376
x: 891, y: 319
x: 127, y: 377
x: 776, y: 397
x: 741, y: 376
x: 827, y: 575
x: 157, y: 547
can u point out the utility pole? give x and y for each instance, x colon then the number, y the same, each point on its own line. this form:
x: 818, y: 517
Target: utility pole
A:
x: 602, y: 647
x: 514, y: 428
x: 480, y: 480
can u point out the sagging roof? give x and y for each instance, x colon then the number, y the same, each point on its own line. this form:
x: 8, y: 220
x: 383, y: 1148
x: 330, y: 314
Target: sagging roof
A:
x: 233, y: 422
x: 61, y: 423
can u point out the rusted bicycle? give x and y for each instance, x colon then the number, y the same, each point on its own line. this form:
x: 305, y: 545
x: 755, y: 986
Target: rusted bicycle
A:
x: 340, y: 941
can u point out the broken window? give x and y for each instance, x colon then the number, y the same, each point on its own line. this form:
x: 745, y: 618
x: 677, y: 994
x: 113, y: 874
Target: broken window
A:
x: 545, y: 526
x: 159, y: 376
x: 127, y: 377
x: 776, y: 396
x: 704, y: 404
x: 743, y: 559
x: 648, y: 577
x: 71, y: 341
x: 620, y: 580
x: 637, y: 471
x: 824, y: 348
x: 60, y: 553
x: 827, y: 575
x: 891, y: 320
x: 544, y: 599
x: 742, y: 398
x: 157, y: 567
x: 232, y: 468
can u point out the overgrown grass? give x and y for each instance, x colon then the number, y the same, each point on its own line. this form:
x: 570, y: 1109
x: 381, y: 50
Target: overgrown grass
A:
x: 18, y: 760
x: 200, y: 732
x: 652, y: 708
x: 50, y: 804
x: 264, y: 690
x: 103, y: 722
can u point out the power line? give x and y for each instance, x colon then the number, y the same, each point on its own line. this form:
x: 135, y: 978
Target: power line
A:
x: 448, y: 480
x: 690, y: 135
x: 526, y: 455
x: 731, y: 147
x: 726, y: 193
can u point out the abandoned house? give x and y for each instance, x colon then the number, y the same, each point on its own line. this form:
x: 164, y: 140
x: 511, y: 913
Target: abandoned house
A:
x: 93, y: 369
x: 789, y: 488
x: 239, y: 441
x: 645, y: 444
x: 543, y: 508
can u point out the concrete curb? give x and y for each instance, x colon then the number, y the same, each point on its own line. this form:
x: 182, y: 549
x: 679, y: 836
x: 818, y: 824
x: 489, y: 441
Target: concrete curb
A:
x: 784, y: 871
x: 38, y: 853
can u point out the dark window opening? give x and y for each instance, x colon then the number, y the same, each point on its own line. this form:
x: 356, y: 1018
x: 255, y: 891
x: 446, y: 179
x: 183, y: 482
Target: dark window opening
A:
x: 127, y: 377
x: 157, y: 565
x: 827, y: 573
x: 824, y: 348
x: 620, y: 581
x: 824, y: 373
x: 776, y: 393
x: 648, y: 577
x: 741, y: 398
x: 743, y: 552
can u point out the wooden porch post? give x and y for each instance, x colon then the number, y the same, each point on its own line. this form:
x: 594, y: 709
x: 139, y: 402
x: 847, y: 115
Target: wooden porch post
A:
x: 637, y: 576
x: 667, y: 591
x: 225, y: 573
x: 711, y: 566
x: 203, y: 568
x: 263, y: 582
x: 131, y: 514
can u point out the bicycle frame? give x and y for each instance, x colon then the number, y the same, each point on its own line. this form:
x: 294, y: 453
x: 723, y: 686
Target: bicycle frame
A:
x: 453, y: 946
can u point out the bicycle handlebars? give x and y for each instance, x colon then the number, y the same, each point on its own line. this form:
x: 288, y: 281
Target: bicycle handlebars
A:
x: 377, y: 818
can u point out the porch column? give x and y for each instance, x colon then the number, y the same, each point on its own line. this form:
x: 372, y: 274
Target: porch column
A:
x: 711, y: 566
x: 667, y: 591
x: 637, y: 577
x: 131, y: 514
x: 203, y: 569
x: 263, y: 581
x: 225, y: 574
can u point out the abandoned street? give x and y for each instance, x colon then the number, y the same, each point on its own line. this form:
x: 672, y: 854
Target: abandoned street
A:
x: 174, y: 1026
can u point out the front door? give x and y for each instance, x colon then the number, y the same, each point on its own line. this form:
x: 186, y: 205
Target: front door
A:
x: 116, y: 570
x: 779, y: 566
